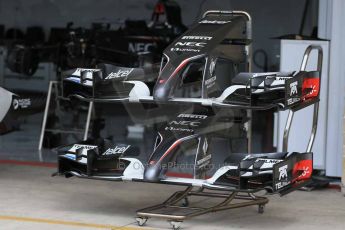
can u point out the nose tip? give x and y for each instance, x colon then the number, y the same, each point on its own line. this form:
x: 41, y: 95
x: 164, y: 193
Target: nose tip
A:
x: 164, y: 91
x: 152, y: 173
x: 160, y: 93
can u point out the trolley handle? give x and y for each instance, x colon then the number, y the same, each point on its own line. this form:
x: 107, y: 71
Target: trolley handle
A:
x: 316, y: 105
x: 307, y: 54
x: 230, y: 12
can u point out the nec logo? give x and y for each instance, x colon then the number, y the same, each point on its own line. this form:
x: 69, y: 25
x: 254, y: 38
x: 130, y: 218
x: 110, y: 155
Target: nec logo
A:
x: 186, y: 123
x: 139, y: 47
x: 191, y: 44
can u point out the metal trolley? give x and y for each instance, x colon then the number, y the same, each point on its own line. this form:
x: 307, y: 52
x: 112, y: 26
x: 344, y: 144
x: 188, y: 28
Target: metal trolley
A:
x: 177, y: 207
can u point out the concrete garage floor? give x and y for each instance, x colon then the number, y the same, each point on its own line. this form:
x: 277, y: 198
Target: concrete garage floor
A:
x: 31, y: 199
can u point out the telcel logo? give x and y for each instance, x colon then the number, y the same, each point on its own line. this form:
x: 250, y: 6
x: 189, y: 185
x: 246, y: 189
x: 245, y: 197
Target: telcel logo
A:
x: 116, y: 150
x: 120, y: 73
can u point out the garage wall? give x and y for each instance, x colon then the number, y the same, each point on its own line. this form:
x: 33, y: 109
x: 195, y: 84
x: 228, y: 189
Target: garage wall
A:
x: 270, y: 17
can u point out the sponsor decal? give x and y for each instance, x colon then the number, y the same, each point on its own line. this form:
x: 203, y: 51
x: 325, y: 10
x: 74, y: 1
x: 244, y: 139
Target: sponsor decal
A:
x: 213, y: 22
x: 283, y: 184
x: 302, y: 170
x: 184, y: 50
x: 283, y: 172
x: 283, y: 177
x: 139, y: 47
x: 79, y: 70
x: 293, y: 88
x: 88, y: 70
x: 212, y: 66
x: 293, y: 93
x: 204, y: 161
x: 194, y: 116
x: 21, y: 103
x: 210, y: 82
x: 178, y: 129
x: 311, y: 87
x: 207, y: 38
x: 268, y: 161
x: 282, y: 78
x: 191, y: 44
x: 116, y: 150
x: 291, y: 101
x: 185, y: 123
x: 78, y: 146
x: 119, y: 73
x: 264, y: 164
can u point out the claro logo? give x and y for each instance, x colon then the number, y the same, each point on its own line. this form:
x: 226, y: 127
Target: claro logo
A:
x: 191, y: 44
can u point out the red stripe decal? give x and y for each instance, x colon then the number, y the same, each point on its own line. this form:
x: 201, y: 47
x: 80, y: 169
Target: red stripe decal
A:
x: 170, y: 148
x: 183, y: 63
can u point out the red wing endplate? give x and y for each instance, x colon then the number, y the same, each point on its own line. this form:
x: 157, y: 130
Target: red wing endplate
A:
x: 292, y: 173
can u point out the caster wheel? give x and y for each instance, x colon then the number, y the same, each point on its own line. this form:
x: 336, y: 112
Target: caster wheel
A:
x: 175, y: 224
x: 185, y: 202
x: 141, y: 220
x: 261, y: 208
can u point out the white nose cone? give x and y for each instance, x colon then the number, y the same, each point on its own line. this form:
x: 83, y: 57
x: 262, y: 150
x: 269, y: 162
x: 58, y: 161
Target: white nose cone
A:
x: 5, y: 102
x: 139, y: 89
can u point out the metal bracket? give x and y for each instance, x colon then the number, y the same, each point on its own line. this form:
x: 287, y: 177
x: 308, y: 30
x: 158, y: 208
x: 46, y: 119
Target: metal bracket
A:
x: 46, y: 112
